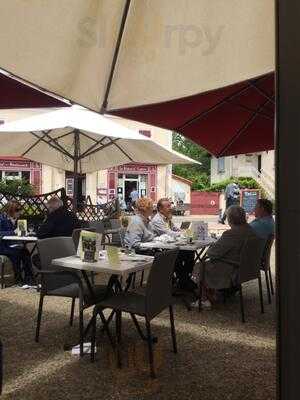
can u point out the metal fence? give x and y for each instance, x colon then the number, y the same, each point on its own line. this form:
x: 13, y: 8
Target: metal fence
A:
x: 35, y: 209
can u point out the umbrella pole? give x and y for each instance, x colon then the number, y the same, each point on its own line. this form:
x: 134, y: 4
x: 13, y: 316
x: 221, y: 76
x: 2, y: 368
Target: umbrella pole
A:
x: 76, y: 161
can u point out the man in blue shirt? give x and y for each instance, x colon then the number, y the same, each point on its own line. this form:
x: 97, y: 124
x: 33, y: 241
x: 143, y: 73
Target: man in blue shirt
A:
x: 263, y: 225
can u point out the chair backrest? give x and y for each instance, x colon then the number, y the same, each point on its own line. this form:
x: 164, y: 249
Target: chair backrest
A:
x: 76, y: 234
x: 98, y: 226
x: 159, y: 283
x: 50, y: 249
x: 250, y: 261
x: 116, y: 237
x: 265, y: 262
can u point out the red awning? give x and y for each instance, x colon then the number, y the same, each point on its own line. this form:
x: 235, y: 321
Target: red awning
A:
x: 16, y: 94
x: 236, y: 119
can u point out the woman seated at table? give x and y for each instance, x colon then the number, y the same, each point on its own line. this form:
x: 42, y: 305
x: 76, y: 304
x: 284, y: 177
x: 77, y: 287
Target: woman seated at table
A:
x: 18, y: 256
x: 139, y: 229
x: 219, y: 270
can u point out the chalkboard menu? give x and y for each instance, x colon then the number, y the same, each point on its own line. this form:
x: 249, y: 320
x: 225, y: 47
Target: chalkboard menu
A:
x: 248, y: 199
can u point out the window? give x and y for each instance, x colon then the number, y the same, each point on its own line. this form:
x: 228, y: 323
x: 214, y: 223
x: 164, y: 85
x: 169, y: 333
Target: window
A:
x: 145, y: 133
x: 221, y: 165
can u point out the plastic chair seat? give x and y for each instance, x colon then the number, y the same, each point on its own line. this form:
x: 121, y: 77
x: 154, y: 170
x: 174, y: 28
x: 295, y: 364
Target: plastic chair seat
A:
x: 72, y: 291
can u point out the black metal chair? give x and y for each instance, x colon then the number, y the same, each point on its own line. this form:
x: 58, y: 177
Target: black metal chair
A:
x: 2, y: 267
x: 266, y: 266
x: 58, y: 282
x: 248, y: 269
x: 157, y: 297
x: 99, y: 227
x: 1, y: 367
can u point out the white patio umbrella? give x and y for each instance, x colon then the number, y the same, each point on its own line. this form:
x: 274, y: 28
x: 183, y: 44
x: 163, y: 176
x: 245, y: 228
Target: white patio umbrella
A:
x: 77, y: 139
x: 108, y: 55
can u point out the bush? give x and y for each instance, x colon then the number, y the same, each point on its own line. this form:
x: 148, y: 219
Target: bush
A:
x: 16, y: 187
x: 242, y: 182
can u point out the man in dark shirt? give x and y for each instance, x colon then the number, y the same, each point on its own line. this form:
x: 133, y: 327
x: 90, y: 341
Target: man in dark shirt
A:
x: 60, y: 221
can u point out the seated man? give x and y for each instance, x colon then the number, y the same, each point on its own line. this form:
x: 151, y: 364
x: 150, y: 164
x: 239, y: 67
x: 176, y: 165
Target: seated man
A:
x: 162, y: 224
x: 219, y: 273
x: 59, y: 222
x: 139, y: 229
x: 162, y: 221
x: 263, y: 225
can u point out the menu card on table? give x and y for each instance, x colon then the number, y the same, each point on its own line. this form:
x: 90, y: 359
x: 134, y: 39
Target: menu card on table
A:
x: 22, y: 227
x: 89, y: 246
x: 200, y: 230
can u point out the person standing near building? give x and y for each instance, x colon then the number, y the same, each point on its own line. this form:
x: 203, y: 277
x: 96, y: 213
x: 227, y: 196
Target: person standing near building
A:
x: 134, y: 196
x: 231, y: 194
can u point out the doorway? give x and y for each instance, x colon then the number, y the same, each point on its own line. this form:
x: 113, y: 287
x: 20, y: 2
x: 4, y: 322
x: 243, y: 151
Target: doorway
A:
x: 130, y: 185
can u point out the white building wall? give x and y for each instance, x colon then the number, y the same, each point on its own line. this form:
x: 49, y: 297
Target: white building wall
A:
x: 181, y: 189
x: 247, y: 165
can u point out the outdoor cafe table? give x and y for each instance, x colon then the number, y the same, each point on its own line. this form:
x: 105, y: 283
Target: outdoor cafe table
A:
x: 198, y: 246
x: 126, y: 267
x: 24, y: 240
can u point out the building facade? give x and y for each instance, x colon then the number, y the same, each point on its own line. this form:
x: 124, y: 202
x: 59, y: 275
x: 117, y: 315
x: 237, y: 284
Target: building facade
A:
x: 260, y: 166
x: 153, y: 181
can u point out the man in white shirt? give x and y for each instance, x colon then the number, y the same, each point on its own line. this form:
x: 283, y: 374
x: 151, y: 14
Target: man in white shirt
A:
x: 162, y: 224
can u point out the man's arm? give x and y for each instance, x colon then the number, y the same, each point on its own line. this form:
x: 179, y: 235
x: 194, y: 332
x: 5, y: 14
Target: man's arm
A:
x: 160, y: 227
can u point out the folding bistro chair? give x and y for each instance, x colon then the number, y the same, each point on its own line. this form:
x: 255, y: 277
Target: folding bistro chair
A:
x: 157, y: 297
x: 266, y: 267
x: 58, y: 282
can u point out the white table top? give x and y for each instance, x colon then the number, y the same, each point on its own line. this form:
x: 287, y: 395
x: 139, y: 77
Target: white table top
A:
x: 127, y: 265
x: 196, y: 245
x: 20, y: 238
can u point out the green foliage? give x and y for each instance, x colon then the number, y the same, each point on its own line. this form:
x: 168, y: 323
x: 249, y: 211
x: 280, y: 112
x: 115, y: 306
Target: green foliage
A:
x: 198, y: 174
x: 243, y: 182
x: 16, y: 187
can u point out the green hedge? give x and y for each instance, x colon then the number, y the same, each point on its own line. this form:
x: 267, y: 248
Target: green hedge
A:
x: 242, y: 182
x: 16, y: 187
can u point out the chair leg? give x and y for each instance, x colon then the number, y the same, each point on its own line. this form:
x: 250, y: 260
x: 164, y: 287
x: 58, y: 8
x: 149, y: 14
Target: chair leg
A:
x: 93, y: 336
x: 261, y: 295
x: 2, y: 275
x: 173, y: 332
x: 81, y: 328
x: 271, y: 282
x: 72, y: 311
x: 119, y: 335
x: 142, y: 279
x: 268, y: 287
x: 93, y: 278
x: 39, y: 318
x: 242, y: 303
x: 106, y: 327
x: 150, y: 348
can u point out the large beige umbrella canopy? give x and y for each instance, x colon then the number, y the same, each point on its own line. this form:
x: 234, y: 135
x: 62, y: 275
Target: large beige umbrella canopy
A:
x: 77, y: 139
x: 113, y: 54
